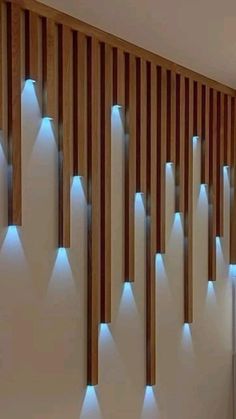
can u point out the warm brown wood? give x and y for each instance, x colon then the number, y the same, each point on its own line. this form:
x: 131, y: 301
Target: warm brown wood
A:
x: 151, y: 225
x: 118, y: 77
x: 188, y: 206
x: 143, y: 127
x: 233, y: 186
x: 219, y: 165
x: 212, y: 185
x: 65, y: 131
x: 79, y: 105
x: 31, y: 45
x: 171, y: 116
x: 161, y: 157
x: 94, y: 207
x: 75, y: 24
x: 180, y: 133
x: 227, y: 130
x: 130, y: 164
x: 197, y: 111
x: 205, y: 136
x: 106, y: 103
x: 49, y: 42
x: 14, y: 114
x: 1, y: 65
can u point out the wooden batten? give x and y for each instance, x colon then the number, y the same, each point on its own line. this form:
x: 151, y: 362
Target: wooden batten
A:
x: 94, y: 207
x: 188, y: 203
x: 31, y: 45
x: 64, y: 131
x: 151, y: 225
x: 205, y: 136
x: 171, y: 117
x: 161, y: 157
x: 180, y: 135
x: 106, y: 103
x: 130, y: 164
x: 14, y: 114
x: 49, y: 48
x: 80, y: 105
x: 212, y: 185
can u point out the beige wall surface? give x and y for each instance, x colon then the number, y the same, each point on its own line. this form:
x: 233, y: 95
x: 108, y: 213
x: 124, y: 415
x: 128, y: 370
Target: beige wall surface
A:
x: 43, y: 303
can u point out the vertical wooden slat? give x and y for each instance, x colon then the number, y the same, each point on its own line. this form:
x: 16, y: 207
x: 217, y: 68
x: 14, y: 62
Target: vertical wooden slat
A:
x: 65, y: 131
x: 227, y: 130
x: 197, y: 111
x: 233, y: 185
x: 205, y: 136
x: 151, y: 224
x: 118, y: 77
x: 31, y: 45
x: 14, y: 113
x: 219, y: 165
x: 94, y: 207
x: 180, y: 135
x: 188, y: 208
x: 130, y: 164
x: 143, y: 128
x: 161, y: 156
x: 138, y: 124
x: 1, y: 66
x: 106, y: 103
x: 49, y: 106
x: 79, y: 105
x: 212, y: 185
x: 171, y: 116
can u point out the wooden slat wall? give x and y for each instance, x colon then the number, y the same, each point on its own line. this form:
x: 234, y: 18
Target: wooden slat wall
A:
x: 14, y: 113
x: 84, y: 72
x: 94, y: 206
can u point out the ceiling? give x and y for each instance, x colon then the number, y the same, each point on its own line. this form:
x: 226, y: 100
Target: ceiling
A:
x: 200, y: 35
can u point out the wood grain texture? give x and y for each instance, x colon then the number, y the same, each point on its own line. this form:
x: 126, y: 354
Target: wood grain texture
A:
x: 205, y: 136
x: 106, y: 103
x: 64, y: 131
x: 94, y: 207
x: 212, y: 185
x: 49, y: 45
x: 116, y: 42
x: 197, y: 109
x: 188, y: 206
x: 118, y: 77
x: 180, y: 135
x: 219, y: 166
x: 227, y: 130
x: 1, y: 65
x: 143, y: 127
x: 161, y: 157
x: 233, y: 185
x: 151, y: 225
x: 171, y: 116
x: 130, y: 164
x: 14, y: 114
x: 31, y: 45
x: 80, y: 105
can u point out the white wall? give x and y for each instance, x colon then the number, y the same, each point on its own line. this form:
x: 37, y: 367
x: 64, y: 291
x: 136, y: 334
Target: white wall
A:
x: 43, y: 305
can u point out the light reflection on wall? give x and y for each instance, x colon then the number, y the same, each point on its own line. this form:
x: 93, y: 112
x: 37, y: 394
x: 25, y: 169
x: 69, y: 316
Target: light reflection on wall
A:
x: 90, y: 408
x: 186, y: 336
x: 12, y: 247
x: 160, y: 267
x: 29, y: 95
x: 149, y: 403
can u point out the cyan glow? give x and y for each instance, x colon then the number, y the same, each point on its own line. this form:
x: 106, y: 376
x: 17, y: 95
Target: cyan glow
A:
x: 62, y: 267
x: 12, y: 248
x: 30, y: 81
x: 210, y: 289
x: 177, y: 224
x: 169, y: 164
x: 127, y: 295
x: 90, y: 408
x: 186, y: 334
x: 195, y: 140
x: 77, y: 190
x: 47, y: 118
x: 29, y: 95
x: 160, y: 267
x: 232, y: 270
x: 116, y: 107
x: 105, y: 335
x: 149, y: 403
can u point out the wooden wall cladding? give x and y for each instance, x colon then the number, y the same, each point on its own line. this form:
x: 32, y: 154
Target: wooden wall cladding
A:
x: 82, y: 72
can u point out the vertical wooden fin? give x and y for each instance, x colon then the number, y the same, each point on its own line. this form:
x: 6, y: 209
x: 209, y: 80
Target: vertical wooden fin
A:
x: 130, y: 164
x: 161, y: 156
x: 197, y: 111
x: 118, y: 77
x: 188, y: 210
x: 106, y: 103
x: 31, y: 45
x: 79, y: 105
x: 219, y: 164
x: 14, y: 113
x: 143, y: 127
x: 94, y: 207
x: 233, y: 185
x: 212, y: 185
x: 1, y: 66
x: 171, y: 116
x: 65, y: 131
x: 49, y: 41
x: 205, y: 136
x: 180, y: 135
x: 151, y: 227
